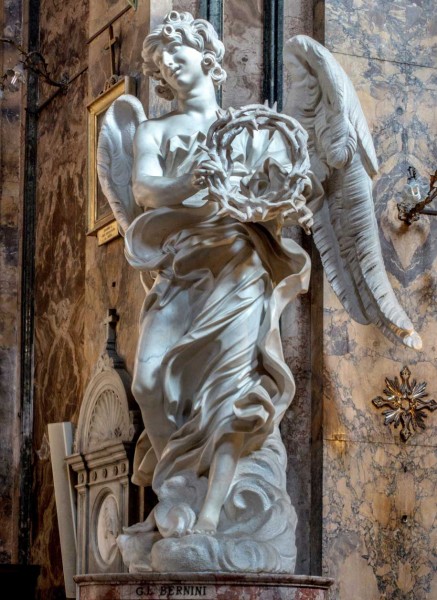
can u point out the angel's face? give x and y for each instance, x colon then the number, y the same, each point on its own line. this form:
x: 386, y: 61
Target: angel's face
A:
x: 180, y: 65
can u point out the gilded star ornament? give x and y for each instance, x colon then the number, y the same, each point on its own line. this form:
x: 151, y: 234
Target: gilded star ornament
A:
x: 406, y: 404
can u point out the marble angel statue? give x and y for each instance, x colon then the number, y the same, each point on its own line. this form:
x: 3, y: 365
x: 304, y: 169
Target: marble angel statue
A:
x: 210, y: 376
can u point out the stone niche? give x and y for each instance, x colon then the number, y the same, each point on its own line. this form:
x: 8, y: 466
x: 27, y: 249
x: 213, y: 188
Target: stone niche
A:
x: 108, y: 426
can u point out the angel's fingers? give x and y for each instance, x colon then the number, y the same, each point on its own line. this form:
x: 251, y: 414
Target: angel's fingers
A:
x: 198, y: 181
x: 207, y: 164
x: 204, y: 172
x: 306, y: 222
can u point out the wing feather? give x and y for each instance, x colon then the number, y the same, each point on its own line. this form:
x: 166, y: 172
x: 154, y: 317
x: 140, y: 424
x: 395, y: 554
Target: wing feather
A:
x: 343, y: 159
x: 115, y: 157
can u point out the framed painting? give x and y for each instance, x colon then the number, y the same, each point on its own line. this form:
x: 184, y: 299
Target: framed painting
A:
x: 100, y: 219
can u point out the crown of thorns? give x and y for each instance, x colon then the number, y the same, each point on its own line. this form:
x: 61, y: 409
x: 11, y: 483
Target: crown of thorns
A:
x: 289, y: 193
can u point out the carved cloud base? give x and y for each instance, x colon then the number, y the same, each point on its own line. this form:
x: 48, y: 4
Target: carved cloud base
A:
x: 255, y: 532
x: 211, y: 586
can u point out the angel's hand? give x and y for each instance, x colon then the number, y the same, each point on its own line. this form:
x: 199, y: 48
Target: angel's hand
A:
x: 300, y: 215
x: 199, y: 178
x: 305, y: 219
x: 207, y: 169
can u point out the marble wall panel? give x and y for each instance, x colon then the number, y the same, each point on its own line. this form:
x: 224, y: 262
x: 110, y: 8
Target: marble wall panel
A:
x: 394, y: 30
x: 354, y: 378
x: 421, y: 33
x: 421, y: 118
x: 298, y: 18
x: 379, y: 506
x: 102, y: 13
x: 111, y: 283
x: 8, y: 470
x: 64, y: 59
x: 243, y: 37
x: 371, y: 28
x: 130, y: 30
x: 192, y: 6
x: 379, y: 520
x: 388, y: 96
x: 60, y: 369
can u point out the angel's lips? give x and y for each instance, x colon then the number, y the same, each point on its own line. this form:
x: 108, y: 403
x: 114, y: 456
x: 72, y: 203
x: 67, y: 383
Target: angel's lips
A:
x: 175, y: 72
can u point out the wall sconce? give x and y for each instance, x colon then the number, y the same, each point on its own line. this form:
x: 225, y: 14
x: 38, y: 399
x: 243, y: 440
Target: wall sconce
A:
x: 413, y: 204
x: 33, y: 61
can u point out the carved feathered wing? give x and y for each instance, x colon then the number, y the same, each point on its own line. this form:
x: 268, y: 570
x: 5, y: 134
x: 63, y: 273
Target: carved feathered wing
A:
x: 343, y: 160
x: 115, y: 157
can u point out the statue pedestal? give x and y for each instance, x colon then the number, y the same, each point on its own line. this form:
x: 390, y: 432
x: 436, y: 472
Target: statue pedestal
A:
x: 211, y: 586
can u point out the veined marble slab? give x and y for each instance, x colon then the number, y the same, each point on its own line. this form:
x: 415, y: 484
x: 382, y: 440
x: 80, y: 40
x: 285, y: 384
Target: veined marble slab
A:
x: 211, y: 586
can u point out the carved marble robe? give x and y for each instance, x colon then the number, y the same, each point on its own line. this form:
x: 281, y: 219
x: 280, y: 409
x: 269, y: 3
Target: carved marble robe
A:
x: 227, y: 372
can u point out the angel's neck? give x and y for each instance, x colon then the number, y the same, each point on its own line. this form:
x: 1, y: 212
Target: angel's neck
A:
x: 198, y: 100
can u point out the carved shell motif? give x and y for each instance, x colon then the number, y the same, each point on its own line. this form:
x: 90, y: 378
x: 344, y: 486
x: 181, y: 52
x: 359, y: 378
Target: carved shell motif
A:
x: 109, y: 419
x: 104, y: 414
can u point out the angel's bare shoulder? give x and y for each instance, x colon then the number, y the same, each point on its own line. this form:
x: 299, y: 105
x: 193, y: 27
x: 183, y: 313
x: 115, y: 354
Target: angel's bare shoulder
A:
x: 153, y: 131
x: 148, y: 131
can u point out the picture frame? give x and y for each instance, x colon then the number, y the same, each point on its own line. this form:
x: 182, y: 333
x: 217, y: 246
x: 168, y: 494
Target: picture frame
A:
x: 100, y: 219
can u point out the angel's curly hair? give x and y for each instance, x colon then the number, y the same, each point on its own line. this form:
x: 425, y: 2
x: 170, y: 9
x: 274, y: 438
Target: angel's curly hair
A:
x: 182, y: 27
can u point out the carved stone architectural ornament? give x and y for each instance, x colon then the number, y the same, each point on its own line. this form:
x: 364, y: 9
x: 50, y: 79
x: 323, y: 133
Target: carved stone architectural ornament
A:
x: 104, y: 415
x: 405, y: 401
x: 107, y: 429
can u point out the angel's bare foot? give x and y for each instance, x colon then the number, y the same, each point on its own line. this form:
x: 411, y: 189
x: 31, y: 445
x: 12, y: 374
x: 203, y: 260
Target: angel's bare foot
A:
x: 205, y: 525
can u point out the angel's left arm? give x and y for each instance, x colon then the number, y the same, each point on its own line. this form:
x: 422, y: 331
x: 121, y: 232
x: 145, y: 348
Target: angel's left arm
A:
x: 150, y: 187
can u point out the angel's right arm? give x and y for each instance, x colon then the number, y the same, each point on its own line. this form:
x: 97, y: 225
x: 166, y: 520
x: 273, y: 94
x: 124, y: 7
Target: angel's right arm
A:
x: 150, y: 188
